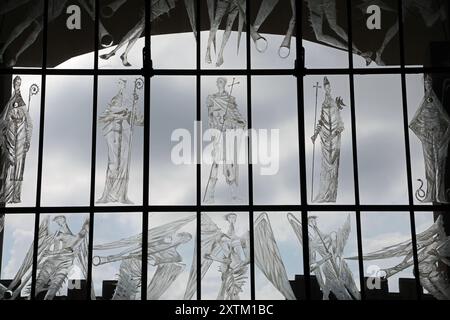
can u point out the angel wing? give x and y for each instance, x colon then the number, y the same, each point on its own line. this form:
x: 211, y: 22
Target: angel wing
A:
x: 83, y: 254
x: 129, y: 280
x: 163, y: 278
x: 210, y: 237
x: 404, y: 248
x: 342, y: 236
x: 23, y: 275
x: 268, y: 257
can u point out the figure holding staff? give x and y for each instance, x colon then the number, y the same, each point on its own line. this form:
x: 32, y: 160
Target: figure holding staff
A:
x: 16, y: 132
x: 329, y: 128
x: 118, y: 125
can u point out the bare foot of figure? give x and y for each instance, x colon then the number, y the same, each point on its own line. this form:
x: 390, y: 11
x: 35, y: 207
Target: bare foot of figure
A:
x: 11, y: 62
x: 208, y: 56
x: 219, y: 61
x: 107, y: 55
x: 367, y: 56
x: 125, y: 60
x: 378, y: 60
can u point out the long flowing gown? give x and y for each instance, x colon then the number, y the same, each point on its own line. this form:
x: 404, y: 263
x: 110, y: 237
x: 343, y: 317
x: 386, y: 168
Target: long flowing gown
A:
x: 329, y: 127
x: 431, y: 125
x: 16, y: 135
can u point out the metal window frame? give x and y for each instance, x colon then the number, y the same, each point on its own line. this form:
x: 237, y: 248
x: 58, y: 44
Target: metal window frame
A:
x: 299, y: 72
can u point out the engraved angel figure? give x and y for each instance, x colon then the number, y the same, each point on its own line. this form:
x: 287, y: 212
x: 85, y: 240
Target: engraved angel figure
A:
x: 433, y: 250
x: 58, y: 253
x: 326, y: 259
x: 16, y: 132
x: 329, y: 127
x: 163, y: 253
x: 224, y: 117
x: 431, y: 124
x: 118, y: 122
x: 230, y: 250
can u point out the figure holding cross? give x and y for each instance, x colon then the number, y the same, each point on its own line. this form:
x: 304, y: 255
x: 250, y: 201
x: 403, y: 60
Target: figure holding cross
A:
x: 224, y: 116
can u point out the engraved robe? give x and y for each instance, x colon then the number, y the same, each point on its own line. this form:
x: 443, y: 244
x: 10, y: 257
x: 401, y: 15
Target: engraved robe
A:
x: 329, y: 127
x: 431, y: 125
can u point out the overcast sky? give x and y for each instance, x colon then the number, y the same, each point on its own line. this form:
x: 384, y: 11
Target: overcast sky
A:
x: 67, y: 158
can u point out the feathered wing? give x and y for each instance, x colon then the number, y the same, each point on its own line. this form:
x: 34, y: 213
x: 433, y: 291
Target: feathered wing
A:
x: 82, y: 256
x: 296, y: 226
x: 268, y: 257
x: 163, y: 278
x: 23, y: 275
x: 210, y: 235
x: 129, y: 280
x: 342, y: 236
x: 403, y: 249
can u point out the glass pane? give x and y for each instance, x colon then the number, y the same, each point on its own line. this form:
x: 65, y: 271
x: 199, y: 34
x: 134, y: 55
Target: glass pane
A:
x: 329, y: 161
x: 16, y: 248
x: 228, y: 271
x: 429, y: 123
x: 224, y: 45
x: 124, y: 21
x: 120, y: 142
x: 117, y: 256
x: 224, y: 163
x: 426, y: 33
x: 21, y: 33
x: 62, y: 257
x: 381, y: 140
x: 172, y: 271
x: 433, y: 249
x: 71, y: 34
x: 273, y: 41
x: 67, y: 141
x: 325, y: 34
x: 275, y: 141
x: 172, y: 141
x: 333, y: 254
x: 173, y: 31
x: 386, y: 238
x: 19, y: 153
x: 278, y: 256
x: 375, y: 32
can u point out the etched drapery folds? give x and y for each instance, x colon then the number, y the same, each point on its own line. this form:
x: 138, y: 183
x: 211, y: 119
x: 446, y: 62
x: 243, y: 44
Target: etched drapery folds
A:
x: 329, y: 127
x: 16, y: 131
x: 118, y: 122
x: 431, y: 124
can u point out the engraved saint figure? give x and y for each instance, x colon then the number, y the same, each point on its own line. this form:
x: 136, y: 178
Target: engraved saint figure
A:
x: 16, y: 132
x: 431, y: 124
x: 224, y: 116
x: 117, y: 123
x: 329, y: 127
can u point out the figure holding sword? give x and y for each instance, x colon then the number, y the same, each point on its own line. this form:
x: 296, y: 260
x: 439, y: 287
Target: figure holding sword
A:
x: 223, y: 115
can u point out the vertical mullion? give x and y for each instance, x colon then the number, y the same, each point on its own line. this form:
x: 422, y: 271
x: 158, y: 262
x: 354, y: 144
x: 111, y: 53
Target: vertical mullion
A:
x: 249, y: 150
x: 93, y: 153
x: 146, y: 163
x: 40, y: 151
x: 354, y: 148
x: 407, y: 149
x: 198, y: 152
x: 300, y: 73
